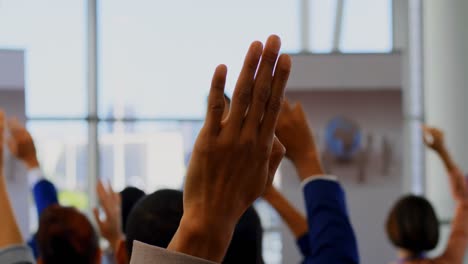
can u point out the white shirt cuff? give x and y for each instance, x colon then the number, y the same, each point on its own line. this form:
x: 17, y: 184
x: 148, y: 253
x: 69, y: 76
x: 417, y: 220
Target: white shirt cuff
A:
x: 321, y: 177
x: 34, y: 176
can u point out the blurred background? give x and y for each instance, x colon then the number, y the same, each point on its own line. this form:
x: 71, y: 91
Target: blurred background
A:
x: 117, y: 89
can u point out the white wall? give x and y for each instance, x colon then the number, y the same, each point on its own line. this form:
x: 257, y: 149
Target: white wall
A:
x: 11, y: 70
x: 345, y: 72
x: 446, y: 90
x: 378, y: 112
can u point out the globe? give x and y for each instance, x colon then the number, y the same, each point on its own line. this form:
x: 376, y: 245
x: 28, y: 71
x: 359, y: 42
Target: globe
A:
x: 343, y: 138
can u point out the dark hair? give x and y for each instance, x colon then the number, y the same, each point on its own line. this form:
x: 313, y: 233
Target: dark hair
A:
x: 246, y: 243
x: 155, y: 218
x: 66, y: 236
x: 413, y: 225
x: 129, y: 196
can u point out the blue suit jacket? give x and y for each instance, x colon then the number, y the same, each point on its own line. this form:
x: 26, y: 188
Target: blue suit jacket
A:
x: 331, y: 238
x: 45, y: 195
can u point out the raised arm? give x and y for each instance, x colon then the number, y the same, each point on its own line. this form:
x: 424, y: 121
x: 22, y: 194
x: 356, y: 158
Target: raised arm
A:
x: 230, y: 165
x: 110, y: 226
x: 458, y: 240
x: 294, y: 219
x: 331, y: 236
x: 12, y: 248
x: 296, y: 222
x: 11, y: 234
x: 21, y: 145
x: 233, y: 158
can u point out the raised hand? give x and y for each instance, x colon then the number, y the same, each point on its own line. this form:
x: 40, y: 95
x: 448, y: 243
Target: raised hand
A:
x: 295, y: 134
x: 232, y: 161
x: 433, y: 138
x: 9, y: 230
x: 21, y: 144
x: 111, y: 226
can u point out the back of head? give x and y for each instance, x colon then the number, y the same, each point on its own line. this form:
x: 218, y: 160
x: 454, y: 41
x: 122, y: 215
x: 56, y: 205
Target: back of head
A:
x: 155, y: 219
x: 129, y: 196
x: 246, y: 243
x: 66, y: 236
x: 413, y: 225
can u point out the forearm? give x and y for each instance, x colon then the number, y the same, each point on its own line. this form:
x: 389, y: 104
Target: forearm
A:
x: 308, y: 165
x: 458, y: 240
x: 9, y: 230
x: 296, y: 222
x: 447, y: 159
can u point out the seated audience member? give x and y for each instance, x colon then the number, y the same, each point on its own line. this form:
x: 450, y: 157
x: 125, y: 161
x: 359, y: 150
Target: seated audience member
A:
x: 66, y: 236
x: 294, y: 219
x: 129, y: 197
x: 412, y: 225
x: 13, y: 250
x: 246, y: 243
x: 110, y: 226
x: 233, y: 160
x: 156, y: 218
x: 21, y: 146
x: 116, y: 208
x: 331, y: 237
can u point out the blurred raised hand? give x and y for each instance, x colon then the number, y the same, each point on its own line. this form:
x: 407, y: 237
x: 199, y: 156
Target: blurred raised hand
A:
x: 433, y: 138
x: 297, y: 137
x: 21, y: 144
x: 9, y: 231
x: 110, y: 226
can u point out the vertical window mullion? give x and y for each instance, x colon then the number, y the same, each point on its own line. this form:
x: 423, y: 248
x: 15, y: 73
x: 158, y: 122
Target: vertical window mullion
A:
x: 92, y: 81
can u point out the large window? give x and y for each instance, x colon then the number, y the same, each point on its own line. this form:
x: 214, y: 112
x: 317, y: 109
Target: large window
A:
x: 164, y: 53
x: 155, y: 61
x: 52, y: 34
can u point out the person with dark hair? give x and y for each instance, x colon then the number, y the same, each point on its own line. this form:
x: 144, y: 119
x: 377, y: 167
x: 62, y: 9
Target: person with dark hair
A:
x: 329, y: 235
x: 129, y: 197
x: 61, y: 230
x: 246, y: 243
x: 156, y: 218
x: 21, y: 146
x: 412, y: 225
x: 13, y: 249
x: 66, y: 236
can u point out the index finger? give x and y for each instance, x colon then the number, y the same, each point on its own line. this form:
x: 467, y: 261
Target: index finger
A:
x: 275, y: 101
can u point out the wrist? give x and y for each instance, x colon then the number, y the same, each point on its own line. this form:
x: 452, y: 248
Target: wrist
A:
x: 203, y: 237
x: 115, y: 242
x: 308, y: 164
